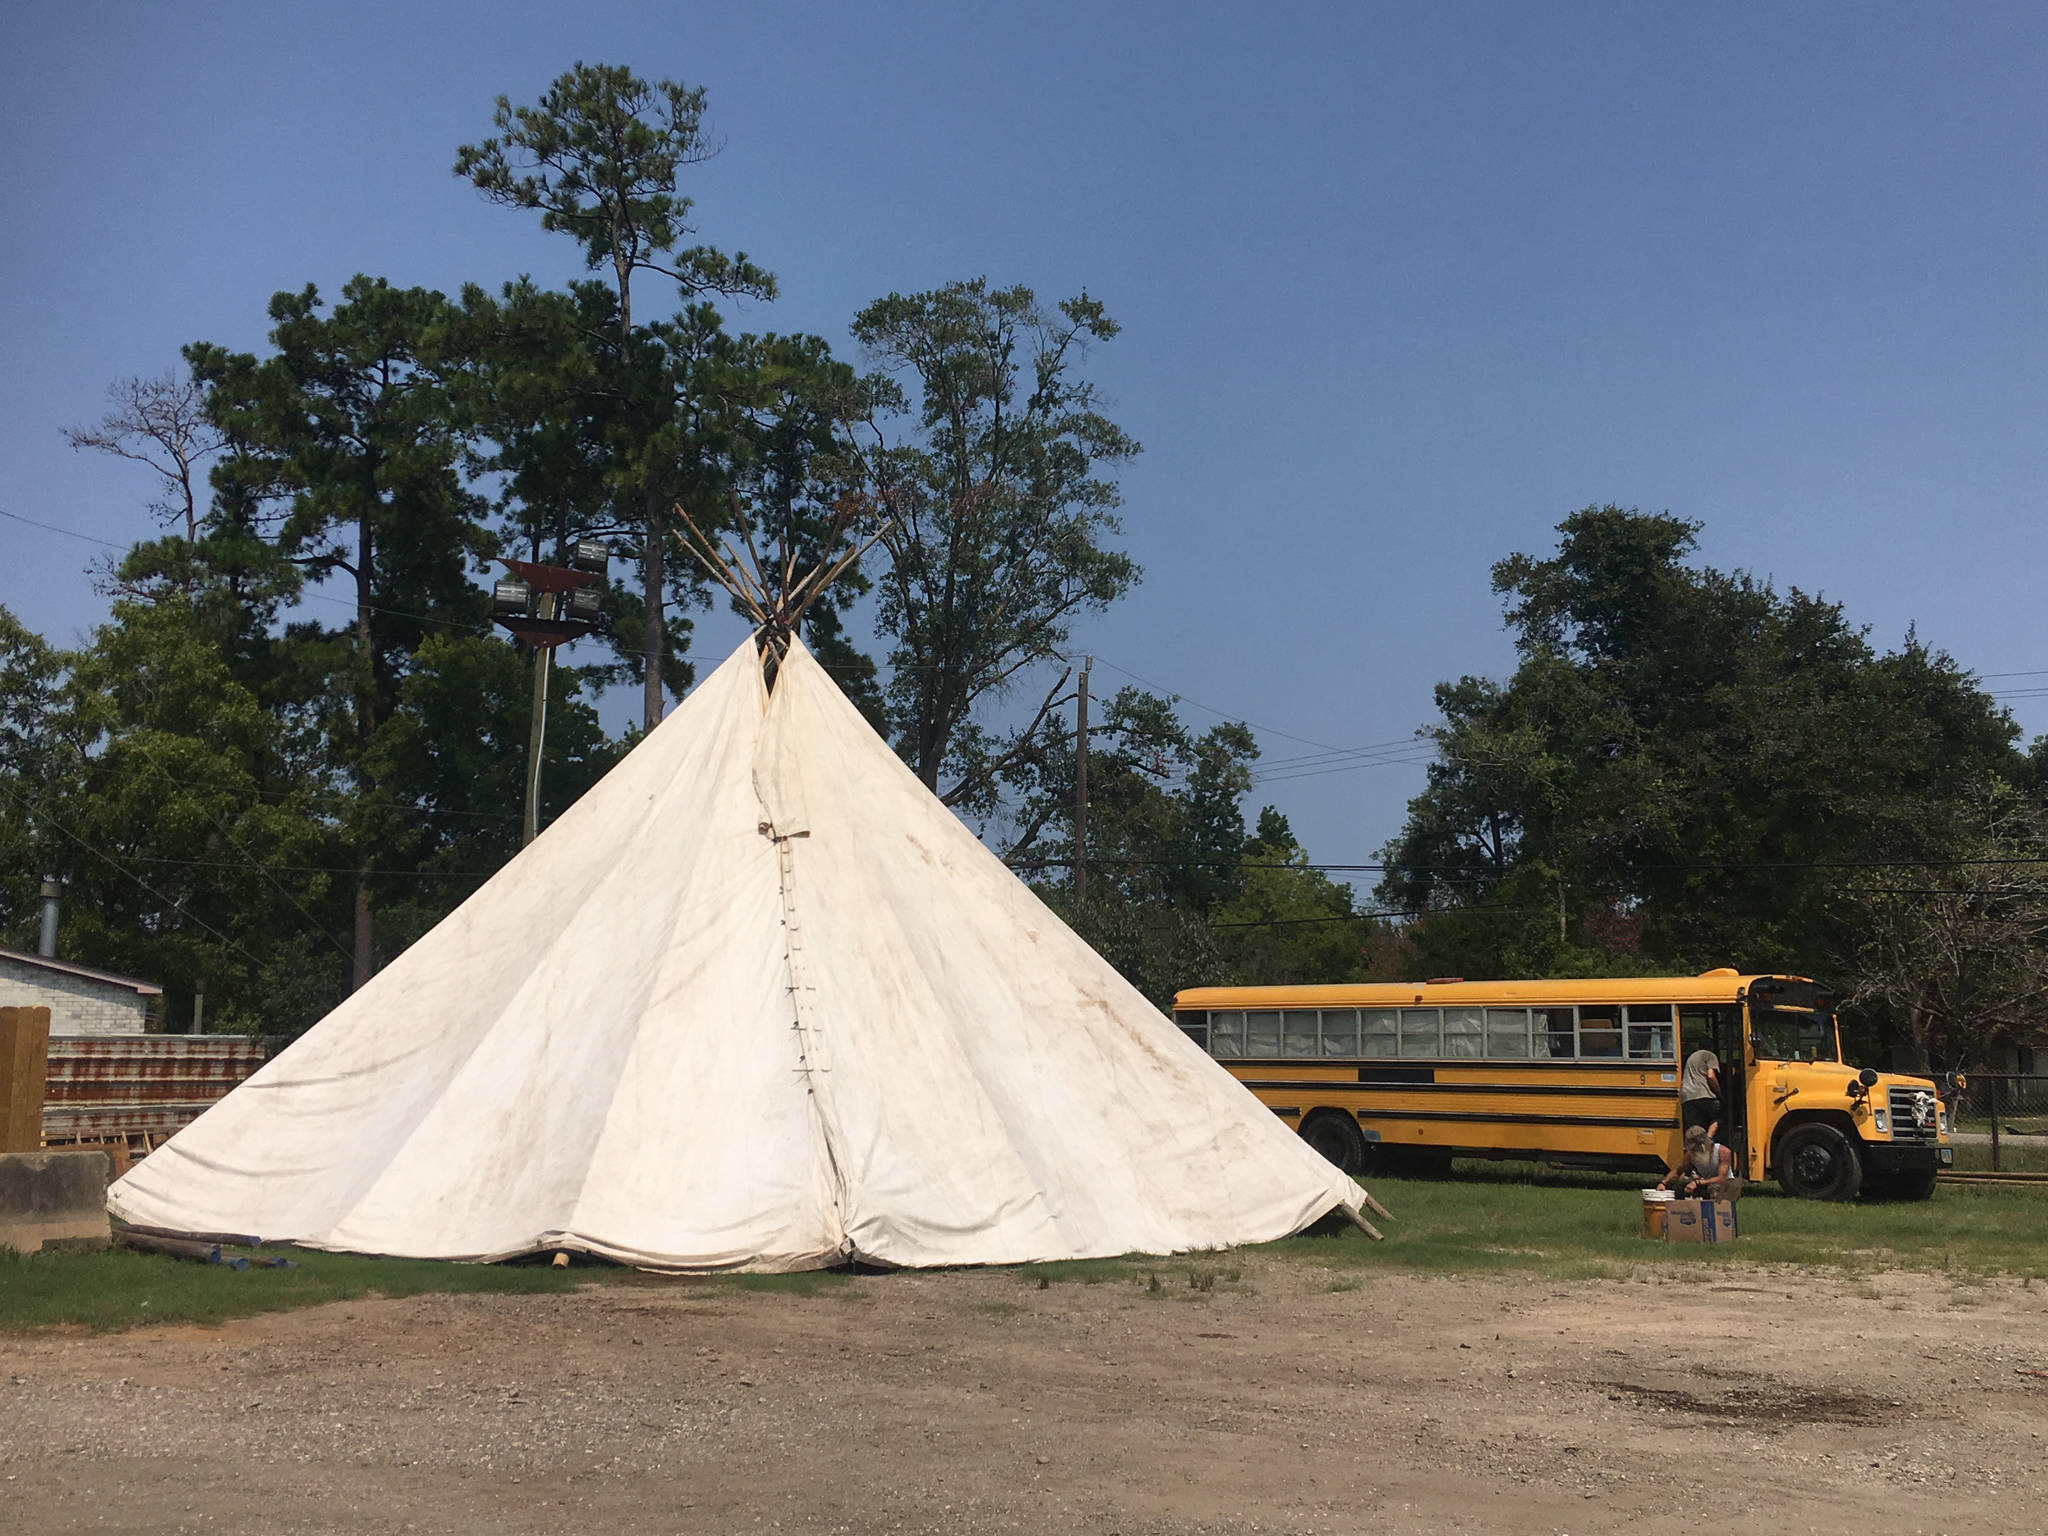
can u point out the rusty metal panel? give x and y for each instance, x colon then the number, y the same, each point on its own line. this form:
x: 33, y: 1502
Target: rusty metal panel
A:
x: 142, y: 1084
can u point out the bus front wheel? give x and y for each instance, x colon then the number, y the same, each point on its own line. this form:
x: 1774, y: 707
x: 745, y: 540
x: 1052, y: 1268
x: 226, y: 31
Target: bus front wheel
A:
x: 1817, y: 1162
x: 1338, y: 1138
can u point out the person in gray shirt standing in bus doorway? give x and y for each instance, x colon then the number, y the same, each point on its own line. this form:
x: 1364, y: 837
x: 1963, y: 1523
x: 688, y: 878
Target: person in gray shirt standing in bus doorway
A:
x: 1699, y: 1092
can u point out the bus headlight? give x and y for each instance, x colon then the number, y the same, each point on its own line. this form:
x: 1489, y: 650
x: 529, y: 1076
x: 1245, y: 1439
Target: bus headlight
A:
x: 1880, y: 1121
x: 1942, y: 1116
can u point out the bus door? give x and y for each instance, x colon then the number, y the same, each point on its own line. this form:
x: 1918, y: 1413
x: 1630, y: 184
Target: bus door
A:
x: 1719, y: 1029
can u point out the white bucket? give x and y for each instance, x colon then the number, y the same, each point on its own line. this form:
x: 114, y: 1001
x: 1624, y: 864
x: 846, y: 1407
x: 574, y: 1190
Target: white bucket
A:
x: 1654, y: 1202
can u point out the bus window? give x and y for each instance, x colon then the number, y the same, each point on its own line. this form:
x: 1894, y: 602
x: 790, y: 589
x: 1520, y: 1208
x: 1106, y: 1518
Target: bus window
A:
x: 1379, y: 1032
x: 1298, y: 1036
x: 1649, y: 1032
x: 1789, y: 1033
x: 1195, y: 1026
x: 1262, y: 1034
x: 1507, y: 1032
x: 1464, y: 1031
x: 1340, y: 1031
x: 1718, y: 1029
x: 1600, y: 1031
x: 1552, y: 1036
x: 1419, y: 1032
x: 1226, y: 1034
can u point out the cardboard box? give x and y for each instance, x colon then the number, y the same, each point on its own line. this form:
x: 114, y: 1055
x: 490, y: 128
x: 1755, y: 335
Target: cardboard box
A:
x: 1700, y: 1221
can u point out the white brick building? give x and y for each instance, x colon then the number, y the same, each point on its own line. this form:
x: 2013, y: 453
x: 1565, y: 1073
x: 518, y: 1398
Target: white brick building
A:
x: 81, y: 1001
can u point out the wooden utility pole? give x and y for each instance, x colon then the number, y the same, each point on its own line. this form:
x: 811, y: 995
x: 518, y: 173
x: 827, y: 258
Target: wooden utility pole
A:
x: 1081, y: 786
x: 544, y: 606
x: 542, y: 655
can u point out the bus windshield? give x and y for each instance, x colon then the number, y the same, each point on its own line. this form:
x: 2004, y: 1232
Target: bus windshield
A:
x: 1792, y: 1021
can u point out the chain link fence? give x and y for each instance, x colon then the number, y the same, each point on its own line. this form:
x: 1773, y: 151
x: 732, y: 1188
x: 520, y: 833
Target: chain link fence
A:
x: 2008, y: 1110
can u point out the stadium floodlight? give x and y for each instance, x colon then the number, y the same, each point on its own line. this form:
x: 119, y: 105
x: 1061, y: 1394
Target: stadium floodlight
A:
x: 585, y: 606
x: 511, y: 600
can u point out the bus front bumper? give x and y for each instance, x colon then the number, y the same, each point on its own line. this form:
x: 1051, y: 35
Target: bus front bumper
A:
x: 1882, y: 1158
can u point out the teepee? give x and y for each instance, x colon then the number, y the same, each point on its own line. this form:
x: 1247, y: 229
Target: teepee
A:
x: 758, y: 1000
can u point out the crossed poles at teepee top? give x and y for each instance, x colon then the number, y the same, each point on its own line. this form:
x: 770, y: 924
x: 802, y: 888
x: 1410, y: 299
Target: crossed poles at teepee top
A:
x: 776, y: 611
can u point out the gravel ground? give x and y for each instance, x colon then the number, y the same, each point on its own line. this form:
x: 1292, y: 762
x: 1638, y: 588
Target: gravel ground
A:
x: 1289, y: 1398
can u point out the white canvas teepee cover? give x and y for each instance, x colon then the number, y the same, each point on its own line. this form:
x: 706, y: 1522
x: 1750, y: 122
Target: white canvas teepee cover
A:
x: 758, y: 1000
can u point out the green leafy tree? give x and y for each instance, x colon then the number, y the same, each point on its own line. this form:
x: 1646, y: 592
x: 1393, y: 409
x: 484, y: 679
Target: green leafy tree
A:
x: 1676, y: 770
x: 1002, y: 514
x: 1179, y: 893
x: 1288, y: 923
x: 799, y: 484
x: 31, y: 675
x: 349, y: 433
x: 453, y: 754
x: 178, y: 789
x: 1954, y: 955
x: 537, y: 391
x: 1155, y: 946
x: 599, y: 158
x: 1164, y: 824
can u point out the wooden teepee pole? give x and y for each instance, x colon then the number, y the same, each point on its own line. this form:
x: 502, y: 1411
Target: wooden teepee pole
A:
x: 778, y: 613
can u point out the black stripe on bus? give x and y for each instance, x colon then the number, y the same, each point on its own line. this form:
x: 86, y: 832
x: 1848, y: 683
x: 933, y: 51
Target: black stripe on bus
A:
x: 1285, y: 1109
x: 1463, y: 1063
x: 1580, y: 1090
x: 1613, y: 1122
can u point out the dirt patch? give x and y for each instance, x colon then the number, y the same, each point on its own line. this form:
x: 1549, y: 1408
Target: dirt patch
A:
x: 1777, y: 1403
x: 981, y: 1402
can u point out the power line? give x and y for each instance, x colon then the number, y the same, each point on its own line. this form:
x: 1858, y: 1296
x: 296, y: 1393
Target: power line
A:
x: 1318, y: 773
x: 319, y: 869
x: 1323, y: 746
x: 302, y: 596
x: 336, y: 796
x: 170, y: 904
x: 69, y: 533
x: 317, y: 926
x: 1355, y: 917
x: 1466, y: 872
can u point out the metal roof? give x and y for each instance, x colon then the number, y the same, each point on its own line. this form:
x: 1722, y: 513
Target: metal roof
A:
x: 1720, y: 986
x: 44, y: 962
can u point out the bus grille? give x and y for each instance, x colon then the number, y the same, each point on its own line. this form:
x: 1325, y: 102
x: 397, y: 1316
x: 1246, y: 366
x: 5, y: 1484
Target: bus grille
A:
x: 1913, y: 1114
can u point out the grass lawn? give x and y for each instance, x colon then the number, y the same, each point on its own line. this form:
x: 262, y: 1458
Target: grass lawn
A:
x: 1501, y: 1216
x: 120, y: 1288
x: 2013, y: 1124
x: 1976, y: 1156
x: 1490, y: 1216
x: 1494, y: 1216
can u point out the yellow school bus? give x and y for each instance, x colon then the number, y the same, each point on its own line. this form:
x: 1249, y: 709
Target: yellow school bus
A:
x: 1584, y: 1074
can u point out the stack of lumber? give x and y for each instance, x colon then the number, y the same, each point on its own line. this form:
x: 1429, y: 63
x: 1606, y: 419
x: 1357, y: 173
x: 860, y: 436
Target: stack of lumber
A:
x: 136, y: 1091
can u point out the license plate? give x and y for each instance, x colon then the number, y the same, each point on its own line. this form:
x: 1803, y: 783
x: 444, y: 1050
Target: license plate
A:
x: 1948, y: 1154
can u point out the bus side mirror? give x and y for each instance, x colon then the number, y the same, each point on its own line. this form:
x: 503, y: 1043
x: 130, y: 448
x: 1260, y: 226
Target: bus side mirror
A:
x: 1867, y: 1077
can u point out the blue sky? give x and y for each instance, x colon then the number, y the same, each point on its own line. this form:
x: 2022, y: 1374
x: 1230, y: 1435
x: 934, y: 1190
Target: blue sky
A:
x: 1400, y: 287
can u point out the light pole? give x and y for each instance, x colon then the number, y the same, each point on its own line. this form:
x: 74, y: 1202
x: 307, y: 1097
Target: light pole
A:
x: 546, y: 606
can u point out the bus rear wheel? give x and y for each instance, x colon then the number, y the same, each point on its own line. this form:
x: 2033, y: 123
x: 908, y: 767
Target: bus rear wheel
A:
x: 1337, y: 1136
x: 1817, y: 1162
